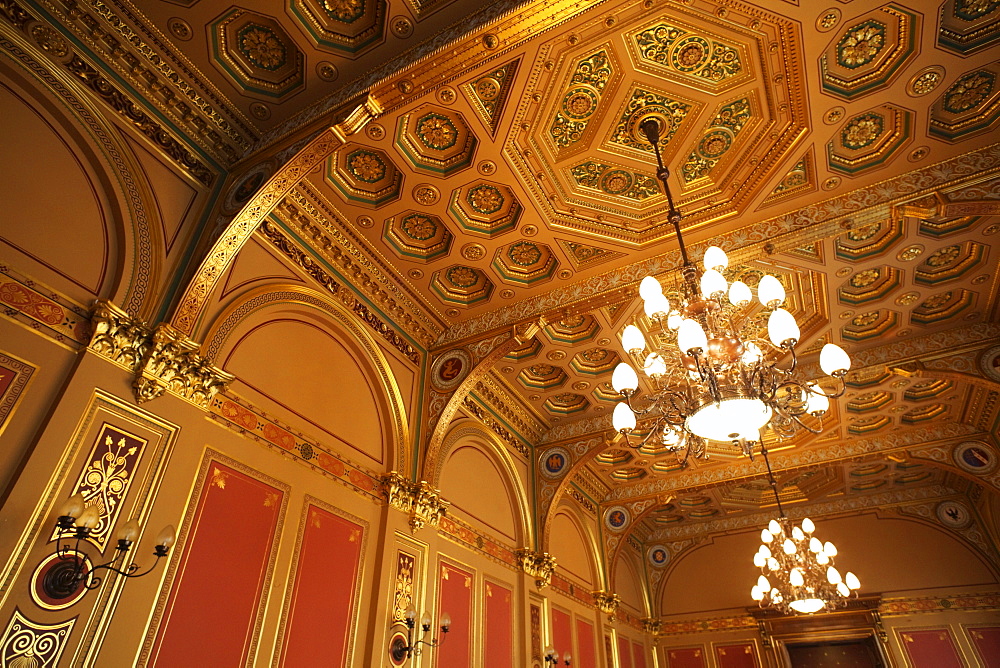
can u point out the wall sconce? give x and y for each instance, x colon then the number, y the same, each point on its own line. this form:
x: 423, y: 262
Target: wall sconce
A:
x: 76, y: 519
x: 552, y: 656
x: 400, y: 650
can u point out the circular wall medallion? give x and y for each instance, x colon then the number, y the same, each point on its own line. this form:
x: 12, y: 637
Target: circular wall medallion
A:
x: 426, y: 194
x: 260, y: 111
x: 507, y: 293
x: 953, y: 514
x: 326, y: 70
x: 53, y: 586
x: 975, y: 457
x: 617, y: 518
x: 415, y: 273
x: 180, y: 28
x: 833, y: 115
x: 245, y: 188
x: 397, y: 655
x: 450, y: 369
x: 919, y: 153
x: 365, y: 221
x: 375, y: 131
x: 554, y: 462
x: 401, y: 26
x: 446, y: 95
x: 989, y: 363
x: 828, y: 19
x: 473, y: 251
x: 658, y: 556
x: 925, y: 80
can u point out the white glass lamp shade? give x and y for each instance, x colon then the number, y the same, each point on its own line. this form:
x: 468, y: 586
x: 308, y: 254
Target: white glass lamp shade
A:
x: 770, y: 291
x: 624, y: 378
x: 729, y: 419
x: 674, y: 319
x: 89, y: 518
x: 781, y: 327
x: 656, y: 306
x: 773, y: 564
x: 716, y: 258
x: 807, y: 525
x: 129, y: 531
x: 833, y: 360
x: 765, y: 551
x: 739, y: 293
x: 774, y: 527
x: 822, y: 559
x: 623, y: 418
x: 632, y: 340
x: 815, y: 545
x: 830, y: 549
x: 817, y: 403
x: 654, y: 366
x: 788, y: 546
x: 691, y: 336
x: 807, y: 605
x: 759, y: 560
x: 797, y: 533
x: 167, y: 536
x: 843, y: 589
x: 796, y: 578
x: 751, y: 353
x: 833, y: 576
x: 766, y: 536
x: 713, y: 283
x: 72, y: 507
x: 763, y: 583
x: 852, y: 581
x: 756, y: 593
x: 649, y: 287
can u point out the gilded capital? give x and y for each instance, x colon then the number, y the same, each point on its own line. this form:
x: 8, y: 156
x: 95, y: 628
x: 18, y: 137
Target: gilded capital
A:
x: 422, y: 501
x: 607, y: 602
x: 651, y: 626
x: 539, y: 565
x: 162, y: 358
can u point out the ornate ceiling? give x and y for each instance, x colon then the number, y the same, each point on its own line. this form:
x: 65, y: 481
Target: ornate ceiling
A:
x: 501, y: 182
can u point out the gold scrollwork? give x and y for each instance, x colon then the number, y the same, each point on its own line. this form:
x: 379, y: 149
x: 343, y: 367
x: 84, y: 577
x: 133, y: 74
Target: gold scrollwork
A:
x: 422, y: 501
x: 539, y: 565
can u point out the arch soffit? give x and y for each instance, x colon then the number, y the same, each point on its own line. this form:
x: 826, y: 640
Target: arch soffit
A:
x: 477, y: 435
x: 252, y: 303
x: 559, y: 495
x: 134, y: 215
x: 633, y: 565
x: 591, y: 541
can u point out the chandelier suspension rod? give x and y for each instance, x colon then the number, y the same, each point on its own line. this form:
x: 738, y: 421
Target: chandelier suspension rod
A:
x: 770, y: 479
x: 651, y: 128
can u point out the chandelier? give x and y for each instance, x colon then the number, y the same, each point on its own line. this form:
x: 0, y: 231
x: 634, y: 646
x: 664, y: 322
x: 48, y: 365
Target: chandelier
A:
x: 713, y: 374
x: 797, y: 571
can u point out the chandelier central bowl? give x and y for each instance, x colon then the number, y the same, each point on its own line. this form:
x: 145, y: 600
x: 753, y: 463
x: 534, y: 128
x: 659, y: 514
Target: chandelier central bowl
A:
x: 729, y: 419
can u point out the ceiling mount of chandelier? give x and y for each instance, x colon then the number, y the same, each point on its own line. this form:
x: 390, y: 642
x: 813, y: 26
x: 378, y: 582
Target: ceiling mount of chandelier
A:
x: 797, y: 571
x: 713, y: 376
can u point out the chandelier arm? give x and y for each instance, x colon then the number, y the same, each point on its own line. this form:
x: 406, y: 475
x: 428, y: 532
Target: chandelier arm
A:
x: 804, y: 425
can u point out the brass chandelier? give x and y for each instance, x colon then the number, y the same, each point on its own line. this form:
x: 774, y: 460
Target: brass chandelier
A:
x: 797, y: 571
x: 714, y: 377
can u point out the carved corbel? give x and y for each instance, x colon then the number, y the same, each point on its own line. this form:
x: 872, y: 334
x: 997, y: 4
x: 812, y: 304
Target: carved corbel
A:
x: 607, y: 602
x: 423, y: 502
x: 539, y: 565
x: 651, y: 626
x: 162, y: 359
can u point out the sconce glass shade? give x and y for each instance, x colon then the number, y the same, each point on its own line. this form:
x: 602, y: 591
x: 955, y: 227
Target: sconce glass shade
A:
x: 72, y: 507
x: 633, y: 340
x: 89, y: 518
x: 167, y: 536
x: 129, y: 531
x: 715, y: 258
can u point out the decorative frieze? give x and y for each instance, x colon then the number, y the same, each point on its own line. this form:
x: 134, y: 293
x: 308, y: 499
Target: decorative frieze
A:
x: 607, y: 602
x: 422, y: 501
x: 539, y: 565
x: 162, y: 359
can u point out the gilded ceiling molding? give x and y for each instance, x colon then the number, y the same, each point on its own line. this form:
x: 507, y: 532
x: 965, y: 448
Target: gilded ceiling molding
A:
x: 422, y: 501
x: 338, y: 307
x: 539, y: 565
x: 162, y: 358
x: 820, y: 220
x: 140, y: 209
x: 917, y: 369
x: 153, y: 69
x: 607, y: 602
x: 191, y: 307
x: 432, y: 463
x: 332, y: 239
x: 513, y: 442
x: 510, y: 408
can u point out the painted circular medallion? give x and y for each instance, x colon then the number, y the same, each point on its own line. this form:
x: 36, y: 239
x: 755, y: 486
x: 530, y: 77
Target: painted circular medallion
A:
x: 658, y: 556
x: 953, y: 514
x: 450, y: 369
x: 989, y: 362
x: 617, y: 518
x: 554, y: 462
x: 975, y: 457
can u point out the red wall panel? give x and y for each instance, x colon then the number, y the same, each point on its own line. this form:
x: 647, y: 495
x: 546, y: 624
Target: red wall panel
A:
x: 211, y: 612
x: 930, y: 648
x: 624, y: 654
x: 322, y: 615
x: 455, y: 598
x: 586, y: 647
x: 686, y: 657
x: 639, y: 655
x: 987, y: 642
x: 498, y: 641
x: 562, y: 633
x: 736, y: 656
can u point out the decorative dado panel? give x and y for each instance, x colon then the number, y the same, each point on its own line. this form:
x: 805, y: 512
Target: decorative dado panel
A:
x: 28, y: 644
x: 422, y: 501
x: 163, y: 359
